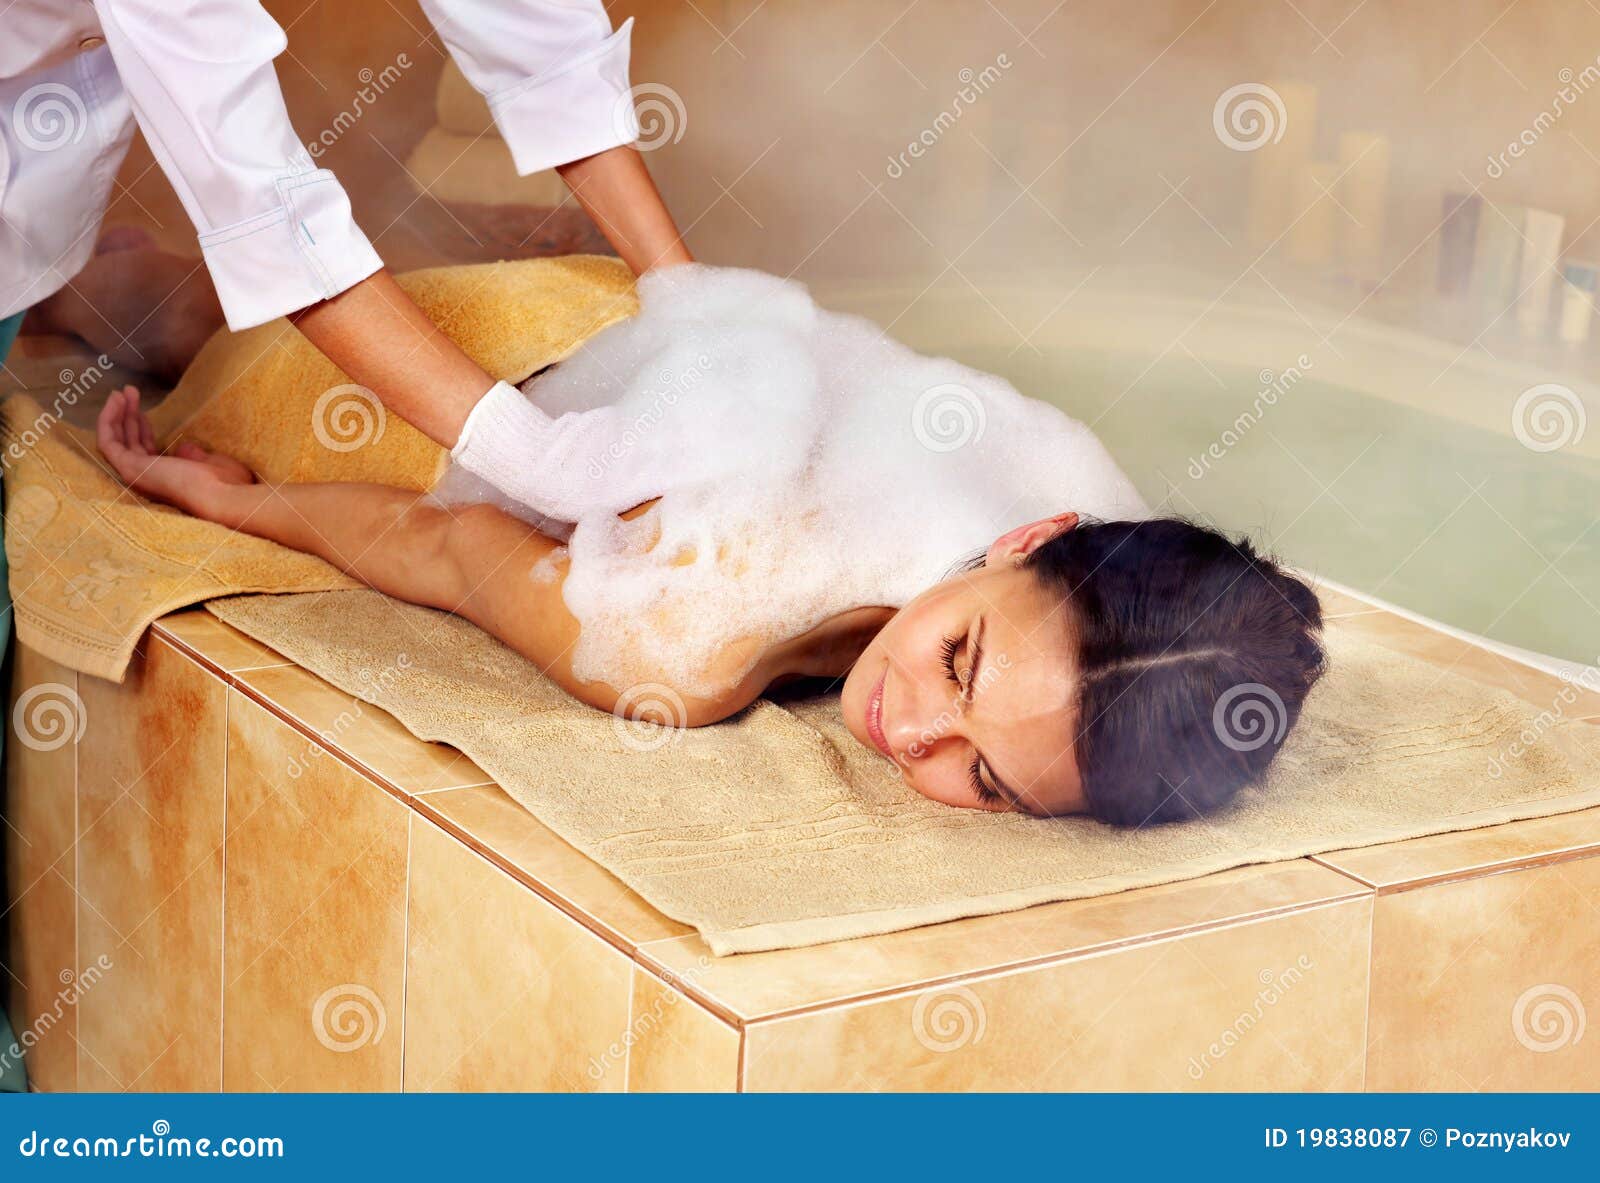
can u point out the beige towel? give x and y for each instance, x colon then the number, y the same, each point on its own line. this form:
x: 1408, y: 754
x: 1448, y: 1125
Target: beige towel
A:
x: 778, y: 829
x: 92, y: 564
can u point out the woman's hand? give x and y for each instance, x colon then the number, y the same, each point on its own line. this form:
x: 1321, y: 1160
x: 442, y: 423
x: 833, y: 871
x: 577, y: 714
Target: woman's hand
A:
x: 191, y: 478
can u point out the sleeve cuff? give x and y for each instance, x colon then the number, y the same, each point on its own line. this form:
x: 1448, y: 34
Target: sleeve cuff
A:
x: 586, y: 107
x: 306, y: 250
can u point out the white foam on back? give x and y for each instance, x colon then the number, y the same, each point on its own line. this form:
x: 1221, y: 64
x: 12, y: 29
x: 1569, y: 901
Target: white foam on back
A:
x: 806, y: 465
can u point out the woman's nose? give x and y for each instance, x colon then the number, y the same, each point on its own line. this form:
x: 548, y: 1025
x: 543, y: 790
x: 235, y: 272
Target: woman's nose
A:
x: 922, y: 720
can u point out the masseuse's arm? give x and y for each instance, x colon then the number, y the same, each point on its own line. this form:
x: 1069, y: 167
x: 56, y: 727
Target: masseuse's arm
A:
x: 376, y: 335
x: 277, y: 232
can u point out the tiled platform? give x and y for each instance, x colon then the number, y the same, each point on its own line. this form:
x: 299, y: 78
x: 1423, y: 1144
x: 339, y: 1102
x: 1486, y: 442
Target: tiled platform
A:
x: 239, y: 877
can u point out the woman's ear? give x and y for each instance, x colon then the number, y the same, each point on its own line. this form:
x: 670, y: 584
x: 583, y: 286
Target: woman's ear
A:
x: 1015, y: 545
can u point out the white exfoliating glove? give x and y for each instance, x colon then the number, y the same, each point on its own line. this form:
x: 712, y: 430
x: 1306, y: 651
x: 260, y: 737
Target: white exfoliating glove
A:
x: 563, y: 468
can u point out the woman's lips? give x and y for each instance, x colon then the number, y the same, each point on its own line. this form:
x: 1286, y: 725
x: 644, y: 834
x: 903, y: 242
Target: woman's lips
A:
x: 875, y: 717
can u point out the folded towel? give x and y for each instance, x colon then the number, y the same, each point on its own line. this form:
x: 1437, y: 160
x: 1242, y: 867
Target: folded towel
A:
x: 92, y: 564
x: 778, y: 829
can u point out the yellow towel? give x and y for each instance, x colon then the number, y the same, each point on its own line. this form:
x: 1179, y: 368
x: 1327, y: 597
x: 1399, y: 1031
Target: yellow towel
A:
x: 93, y: 564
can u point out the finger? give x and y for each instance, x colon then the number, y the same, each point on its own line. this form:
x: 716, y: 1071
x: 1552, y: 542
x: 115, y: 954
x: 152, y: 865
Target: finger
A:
x: 109, y: 426
x: 130, y: 423
x: 189, y: 450
x: 147, y: 433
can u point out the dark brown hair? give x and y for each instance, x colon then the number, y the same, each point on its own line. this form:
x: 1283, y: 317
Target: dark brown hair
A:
x: 1195, y: 654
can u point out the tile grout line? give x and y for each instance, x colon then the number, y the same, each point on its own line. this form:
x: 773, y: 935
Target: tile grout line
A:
x: 1528, y: 862
x: 405, y: 943
x: 1026, y: 965
x: 1110, y: 949
x: 222, y: 917
x: 77, y: 927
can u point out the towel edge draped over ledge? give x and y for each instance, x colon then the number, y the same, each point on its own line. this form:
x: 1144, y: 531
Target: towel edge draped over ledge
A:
x: 93, y: 565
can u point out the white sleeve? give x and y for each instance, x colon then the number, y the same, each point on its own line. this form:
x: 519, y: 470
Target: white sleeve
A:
x: 554, y: 74
x: 276, y: 231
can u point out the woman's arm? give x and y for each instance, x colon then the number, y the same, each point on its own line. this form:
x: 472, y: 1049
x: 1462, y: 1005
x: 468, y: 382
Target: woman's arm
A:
x: 475, y: 561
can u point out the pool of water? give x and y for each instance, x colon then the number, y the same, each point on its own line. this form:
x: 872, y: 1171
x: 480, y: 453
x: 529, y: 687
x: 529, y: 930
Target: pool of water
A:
x: 1458, y: 523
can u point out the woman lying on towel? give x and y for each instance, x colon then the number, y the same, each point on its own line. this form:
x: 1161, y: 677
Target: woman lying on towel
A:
x: 1137, y: 670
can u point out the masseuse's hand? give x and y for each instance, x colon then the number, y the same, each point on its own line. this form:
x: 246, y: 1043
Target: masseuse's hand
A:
x: 189, y: 477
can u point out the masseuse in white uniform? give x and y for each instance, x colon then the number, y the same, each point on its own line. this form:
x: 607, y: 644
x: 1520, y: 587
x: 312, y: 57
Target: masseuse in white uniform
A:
x: 275, y: 230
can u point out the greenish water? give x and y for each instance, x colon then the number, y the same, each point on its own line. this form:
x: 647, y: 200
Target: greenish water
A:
x: 1463, y: 525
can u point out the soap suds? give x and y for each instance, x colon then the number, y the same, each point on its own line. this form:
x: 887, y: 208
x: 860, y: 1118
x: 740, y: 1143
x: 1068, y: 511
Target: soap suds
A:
x: 806, y: 464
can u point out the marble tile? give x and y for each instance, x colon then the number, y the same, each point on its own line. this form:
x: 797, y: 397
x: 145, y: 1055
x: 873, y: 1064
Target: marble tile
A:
x: 504, y: 991
x: 678, y: 1045
x: 1270, y: 1004
x: 150, y: 829
x: 371, y: 737
x: 215, y: 643
x: 314, y: 919
x: 41, y: 973
x: 488, y: 820
x: 1469, y: 852
x: 1488, y: 983
x: 755, y: 985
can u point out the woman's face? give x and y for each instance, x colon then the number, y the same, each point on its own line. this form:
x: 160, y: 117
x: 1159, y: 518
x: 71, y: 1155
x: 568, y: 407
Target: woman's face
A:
x: 969, y: 688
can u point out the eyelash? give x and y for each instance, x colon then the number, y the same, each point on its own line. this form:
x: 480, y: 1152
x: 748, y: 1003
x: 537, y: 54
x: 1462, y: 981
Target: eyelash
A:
x: 947, y: 656
x: 984, y: 792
